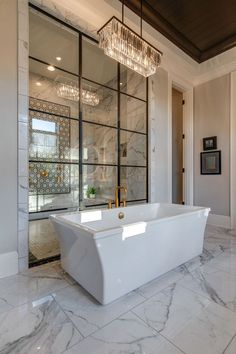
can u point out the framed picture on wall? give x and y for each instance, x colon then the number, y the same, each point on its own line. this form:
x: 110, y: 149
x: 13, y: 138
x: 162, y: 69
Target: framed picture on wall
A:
x: 210, y: 143
x: 211, y: 163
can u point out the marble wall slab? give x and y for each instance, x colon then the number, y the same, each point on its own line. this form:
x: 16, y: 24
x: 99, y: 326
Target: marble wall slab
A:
x: 23, y: 68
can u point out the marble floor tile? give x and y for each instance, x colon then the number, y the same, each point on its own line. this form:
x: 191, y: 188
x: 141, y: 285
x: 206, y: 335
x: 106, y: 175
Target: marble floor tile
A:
x: 213, y: 283
x: 153, y: 287
x: 87, y: 314
x: 217, y: 230
x: 40, y: 327
x: 195, y: 263
x: 43, y: 242
x: 4, y: 305
x: 217, y: 245
x: 31, y: 285
x: 126, y: 335
x: 231, y: 348
x: 226, y: 262
x: 192, y: 322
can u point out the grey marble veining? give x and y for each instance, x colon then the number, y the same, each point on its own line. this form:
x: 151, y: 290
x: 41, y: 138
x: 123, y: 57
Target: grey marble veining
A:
x: 196, y: 262
x: 35, y: 328
x: 89, y: 316
x: 194, y: 323
x: 155, y: 286
x: 215, y: 284
x: 190, y: 310
x: 126, y: 335
x: 31, y: 285
x: 53, y: 7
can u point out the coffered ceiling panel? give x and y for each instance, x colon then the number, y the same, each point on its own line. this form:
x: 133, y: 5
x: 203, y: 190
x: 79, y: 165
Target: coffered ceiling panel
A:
x: 201, y: 28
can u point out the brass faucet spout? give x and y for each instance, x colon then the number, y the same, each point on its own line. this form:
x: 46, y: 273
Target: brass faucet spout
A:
x: 117, y: 200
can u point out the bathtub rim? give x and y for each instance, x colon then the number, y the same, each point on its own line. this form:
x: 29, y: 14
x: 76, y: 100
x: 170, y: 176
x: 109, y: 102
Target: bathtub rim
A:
x: 99, y: 234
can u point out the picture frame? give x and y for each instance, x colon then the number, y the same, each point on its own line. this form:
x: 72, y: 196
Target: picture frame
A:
x: 210, y: 143
x: 211, y: 163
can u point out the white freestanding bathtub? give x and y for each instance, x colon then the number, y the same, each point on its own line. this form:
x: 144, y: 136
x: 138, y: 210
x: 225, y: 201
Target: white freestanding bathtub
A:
x: 109, y: 256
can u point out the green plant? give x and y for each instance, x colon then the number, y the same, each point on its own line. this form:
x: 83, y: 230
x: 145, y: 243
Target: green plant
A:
x: 91, y: 190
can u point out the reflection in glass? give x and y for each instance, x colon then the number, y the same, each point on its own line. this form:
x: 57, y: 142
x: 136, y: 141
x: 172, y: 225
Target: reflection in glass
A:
x: 96, y: 66
x: 134, y: 178
x: 105, y: 112
x: 45, y: 85
x: 51, y: 42
x: 53, y: 138
x: 53, y: 186
x: 132, y: 114
x: 49, y: 246
x: 132, y: 149
x: 132, y: 83
x: 99, y: 144
x: 102, y: 179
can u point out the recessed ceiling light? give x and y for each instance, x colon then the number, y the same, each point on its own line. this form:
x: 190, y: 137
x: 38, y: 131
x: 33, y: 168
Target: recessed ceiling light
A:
x: 51, y: 68
x: 58, y: 58
x: 38, y: 83
x: 121, y: 83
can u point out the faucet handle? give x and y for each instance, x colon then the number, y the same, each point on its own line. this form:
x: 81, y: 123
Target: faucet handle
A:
x: 110, y: 204
x: 124, y: 203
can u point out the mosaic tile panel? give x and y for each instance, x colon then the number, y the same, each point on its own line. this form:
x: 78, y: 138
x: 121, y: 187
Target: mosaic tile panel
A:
x: 49, y: 138
x: 49, y: 107
x: 46, y: 178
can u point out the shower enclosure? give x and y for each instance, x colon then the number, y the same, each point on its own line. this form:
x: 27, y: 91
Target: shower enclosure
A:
x: 88, y: 128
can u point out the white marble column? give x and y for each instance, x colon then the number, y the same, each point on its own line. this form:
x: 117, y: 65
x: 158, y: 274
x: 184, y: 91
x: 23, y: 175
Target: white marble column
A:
x: 23, y: 72
x: 159, y: 135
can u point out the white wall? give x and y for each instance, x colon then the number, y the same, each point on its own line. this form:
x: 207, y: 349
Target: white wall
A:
x: 212, y: 118
x: 8, y: 137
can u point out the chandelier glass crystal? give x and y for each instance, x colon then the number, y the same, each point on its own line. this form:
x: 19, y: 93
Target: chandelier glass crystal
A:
x: 125, y: 46
x: 70, y: 92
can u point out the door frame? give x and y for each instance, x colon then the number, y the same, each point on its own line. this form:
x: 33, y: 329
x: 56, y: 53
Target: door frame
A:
x: 188, y: 156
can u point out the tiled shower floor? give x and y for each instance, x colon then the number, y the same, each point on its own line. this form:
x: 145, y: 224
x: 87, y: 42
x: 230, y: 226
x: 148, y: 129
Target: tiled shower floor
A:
x: 189, y: 310
x: 43, y: 242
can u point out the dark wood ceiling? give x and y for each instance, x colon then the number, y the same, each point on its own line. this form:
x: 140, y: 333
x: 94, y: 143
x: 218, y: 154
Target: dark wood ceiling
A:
x: 201, y: 28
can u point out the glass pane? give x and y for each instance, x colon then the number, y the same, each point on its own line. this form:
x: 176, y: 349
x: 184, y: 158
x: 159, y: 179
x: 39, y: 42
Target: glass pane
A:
x: 53, y: 138
x: 132, y: 114
x: 58, y: 88
x: 53, y: 186
x: 97, y: 66
x: 134, y: 178
x: 132, y: 83
x: 99, y: 144
x: 41, y: 232
x: 53, y: 43
x: 132, y: 149
x: 105, y: 111
x: 103, y: 179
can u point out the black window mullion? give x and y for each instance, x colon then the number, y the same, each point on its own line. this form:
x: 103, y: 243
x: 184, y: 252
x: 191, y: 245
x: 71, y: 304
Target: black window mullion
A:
x: 81, y: 121
x: 118, y: 127
x: 80, y: 125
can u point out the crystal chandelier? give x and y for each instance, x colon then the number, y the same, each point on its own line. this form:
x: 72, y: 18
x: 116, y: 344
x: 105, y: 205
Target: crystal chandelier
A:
x: 70, y: 92
x: 128, y: 48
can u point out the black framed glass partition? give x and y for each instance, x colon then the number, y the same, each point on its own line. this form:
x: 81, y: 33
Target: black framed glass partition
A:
x: 88, y: 121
